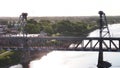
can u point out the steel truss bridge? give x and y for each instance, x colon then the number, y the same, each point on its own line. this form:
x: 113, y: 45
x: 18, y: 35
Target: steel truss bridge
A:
x: 60, y: 43
x: 100, y: 44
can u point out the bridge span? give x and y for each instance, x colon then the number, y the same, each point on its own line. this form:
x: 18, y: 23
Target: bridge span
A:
x: 102, y: 43
x: 60, y: 43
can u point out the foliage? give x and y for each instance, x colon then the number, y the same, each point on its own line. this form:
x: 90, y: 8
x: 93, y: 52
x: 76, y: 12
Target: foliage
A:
x: 46, y: 26
x: 9, y: 58
x: 1, y: 51
x: 63, y: 27
x: 67, y: 28
x: 32, y: 27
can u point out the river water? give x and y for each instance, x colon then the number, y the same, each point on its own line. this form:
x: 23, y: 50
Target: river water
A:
x: 78, y: 59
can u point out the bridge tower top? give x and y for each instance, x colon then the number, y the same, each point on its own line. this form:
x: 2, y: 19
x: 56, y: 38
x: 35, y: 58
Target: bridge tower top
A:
x: 24, y: 16
x: 23, y: 22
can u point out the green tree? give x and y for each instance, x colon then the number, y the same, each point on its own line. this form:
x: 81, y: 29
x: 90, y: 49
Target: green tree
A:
x: 46, y: 26
x: 64, y: 27
x: 32, y: 27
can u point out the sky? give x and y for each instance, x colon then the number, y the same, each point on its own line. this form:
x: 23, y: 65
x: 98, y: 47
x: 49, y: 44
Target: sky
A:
x: 14, y: 8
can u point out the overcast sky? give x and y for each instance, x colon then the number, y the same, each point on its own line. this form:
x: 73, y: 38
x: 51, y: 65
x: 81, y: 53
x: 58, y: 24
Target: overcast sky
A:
x: 59, y: 7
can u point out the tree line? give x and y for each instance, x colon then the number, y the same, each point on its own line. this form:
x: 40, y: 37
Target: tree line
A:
x: 62, y: 26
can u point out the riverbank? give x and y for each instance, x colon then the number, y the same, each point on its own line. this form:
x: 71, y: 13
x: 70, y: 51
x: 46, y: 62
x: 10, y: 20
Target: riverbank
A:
x: 8, y: 58
x: 35, y: 55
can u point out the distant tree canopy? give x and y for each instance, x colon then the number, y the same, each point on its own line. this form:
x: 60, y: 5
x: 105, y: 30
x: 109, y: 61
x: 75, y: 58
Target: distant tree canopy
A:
x: 68, y: 28
x: 62, y: 28
x: 32, y: 27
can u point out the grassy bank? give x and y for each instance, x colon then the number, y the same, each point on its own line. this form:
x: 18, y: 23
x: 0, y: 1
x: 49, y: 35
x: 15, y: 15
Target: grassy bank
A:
x: 8, y: 58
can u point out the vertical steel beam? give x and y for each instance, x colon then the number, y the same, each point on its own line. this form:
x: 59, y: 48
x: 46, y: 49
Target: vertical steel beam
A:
x: 100, y: 56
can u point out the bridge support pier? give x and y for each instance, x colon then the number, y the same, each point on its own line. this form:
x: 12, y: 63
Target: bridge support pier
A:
x: 100, y: 55
x: 25, y: 64
x: 26, y: 55
x: 25, y: 59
